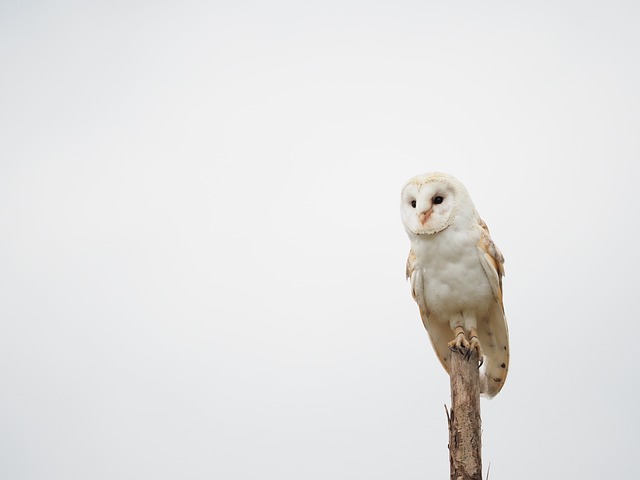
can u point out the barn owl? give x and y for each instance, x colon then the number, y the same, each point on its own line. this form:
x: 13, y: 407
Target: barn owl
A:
x: 456, y: 275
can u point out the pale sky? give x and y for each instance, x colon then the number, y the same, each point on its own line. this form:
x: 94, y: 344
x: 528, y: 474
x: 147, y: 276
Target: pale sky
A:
x: 201, y: 253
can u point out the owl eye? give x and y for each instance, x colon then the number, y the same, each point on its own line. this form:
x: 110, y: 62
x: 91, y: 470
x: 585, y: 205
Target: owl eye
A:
x: 438, y: 200
x: 413, y: 203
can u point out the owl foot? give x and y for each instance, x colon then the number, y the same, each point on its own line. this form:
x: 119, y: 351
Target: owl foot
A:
x: 466, y: 347
x: 459, y: 344
x: 474, y: 344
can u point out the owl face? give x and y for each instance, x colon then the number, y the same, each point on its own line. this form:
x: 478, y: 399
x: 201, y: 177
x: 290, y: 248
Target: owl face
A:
x: 429, y: 204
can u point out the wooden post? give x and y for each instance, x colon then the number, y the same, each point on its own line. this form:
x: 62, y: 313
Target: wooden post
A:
x: 465, y: 435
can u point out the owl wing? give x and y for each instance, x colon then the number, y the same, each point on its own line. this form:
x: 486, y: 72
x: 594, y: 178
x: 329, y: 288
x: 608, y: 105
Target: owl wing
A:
x: 492, y: 260
x: 439, y: 331
x: 493, y: 330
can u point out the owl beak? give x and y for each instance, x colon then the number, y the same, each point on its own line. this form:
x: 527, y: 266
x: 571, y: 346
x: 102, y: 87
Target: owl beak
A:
x: 424, y: 216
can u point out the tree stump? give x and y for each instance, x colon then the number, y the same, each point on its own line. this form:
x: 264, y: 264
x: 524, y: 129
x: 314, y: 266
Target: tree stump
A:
x: 465, y: 435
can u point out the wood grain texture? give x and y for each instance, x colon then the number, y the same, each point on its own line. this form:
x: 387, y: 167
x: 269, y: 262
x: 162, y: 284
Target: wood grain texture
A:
x: 465, y: 434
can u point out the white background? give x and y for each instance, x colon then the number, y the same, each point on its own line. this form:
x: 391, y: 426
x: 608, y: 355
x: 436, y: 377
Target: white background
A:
x: 202, y: 258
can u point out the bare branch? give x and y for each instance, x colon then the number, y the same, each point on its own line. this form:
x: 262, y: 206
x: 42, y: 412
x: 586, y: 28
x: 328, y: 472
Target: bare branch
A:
x: 465, y: 435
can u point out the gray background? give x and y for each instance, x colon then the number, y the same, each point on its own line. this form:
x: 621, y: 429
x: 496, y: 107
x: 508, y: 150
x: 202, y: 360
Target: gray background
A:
x: 201, y: 252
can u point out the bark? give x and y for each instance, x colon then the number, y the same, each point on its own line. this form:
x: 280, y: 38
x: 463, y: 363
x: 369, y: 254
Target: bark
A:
x: 464, y: 419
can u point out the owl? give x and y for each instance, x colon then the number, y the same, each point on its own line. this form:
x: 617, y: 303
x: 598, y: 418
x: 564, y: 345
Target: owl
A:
x: 456, y: 273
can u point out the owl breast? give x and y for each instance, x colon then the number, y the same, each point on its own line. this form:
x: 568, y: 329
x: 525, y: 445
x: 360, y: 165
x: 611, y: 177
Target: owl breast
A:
x: 454, y: 280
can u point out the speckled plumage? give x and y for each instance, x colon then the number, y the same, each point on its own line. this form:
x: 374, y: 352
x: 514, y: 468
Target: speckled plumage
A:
x: 456, y: 275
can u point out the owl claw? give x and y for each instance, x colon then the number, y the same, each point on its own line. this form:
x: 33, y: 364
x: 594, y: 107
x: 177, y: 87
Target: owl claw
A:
x: 466, y: 347
x: 474, y: 344
x: 459, y: 344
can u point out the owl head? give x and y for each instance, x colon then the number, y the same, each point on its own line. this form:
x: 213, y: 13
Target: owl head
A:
x: 431, y: 202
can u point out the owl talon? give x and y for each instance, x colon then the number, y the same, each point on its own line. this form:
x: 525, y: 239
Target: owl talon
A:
x: 474, y: 344
x: 460, y: 344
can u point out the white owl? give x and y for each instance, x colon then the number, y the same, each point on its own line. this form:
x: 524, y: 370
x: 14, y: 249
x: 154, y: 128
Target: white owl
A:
x: 456, y: 275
